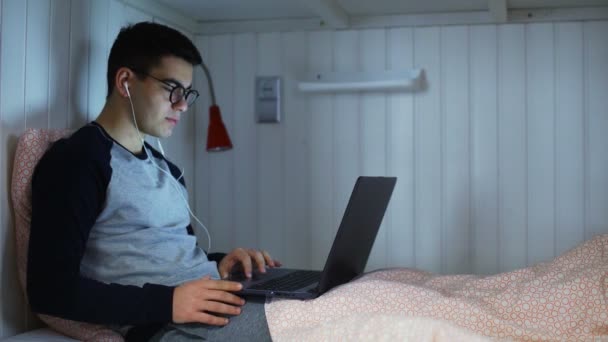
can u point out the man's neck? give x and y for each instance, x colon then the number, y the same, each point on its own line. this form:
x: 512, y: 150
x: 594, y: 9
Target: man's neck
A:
x: 119, y: 125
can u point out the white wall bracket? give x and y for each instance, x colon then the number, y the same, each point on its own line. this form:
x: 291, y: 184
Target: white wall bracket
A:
x: 332, y: 14
x: 498, y: 9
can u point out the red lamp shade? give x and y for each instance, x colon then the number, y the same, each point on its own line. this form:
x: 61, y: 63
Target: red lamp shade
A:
x: 217, y: 136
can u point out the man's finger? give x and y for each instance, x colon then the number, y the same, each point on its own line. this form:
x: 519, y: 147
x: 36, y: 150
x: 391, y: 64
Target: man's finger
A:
x: 226, y: 267
x: 245, y: 260
x: 258, y: 258
x: 221, y: 308
x: 269, y: 261
x: 209, y: 319
x: 223, y: 285
x: 224, y: 297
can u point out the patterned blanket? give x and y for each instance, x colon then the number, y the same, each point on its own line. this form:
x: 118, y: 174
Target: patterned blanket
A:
x: 562, y: 300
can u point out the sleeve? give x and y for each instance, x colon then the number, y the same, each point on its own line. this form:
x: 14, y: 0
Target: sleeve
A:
x: 67, y: 196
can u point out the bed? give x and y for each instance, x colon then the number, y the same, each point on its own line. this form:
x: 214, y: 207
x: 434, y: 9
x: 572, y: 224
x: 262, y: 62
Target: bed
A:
x: 564, y: 299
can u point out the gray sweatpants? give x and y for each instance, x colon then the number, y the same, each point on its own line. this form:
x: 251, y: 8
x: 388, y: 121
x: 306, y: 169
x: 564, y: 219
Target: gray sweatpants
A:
x: 250, y: 325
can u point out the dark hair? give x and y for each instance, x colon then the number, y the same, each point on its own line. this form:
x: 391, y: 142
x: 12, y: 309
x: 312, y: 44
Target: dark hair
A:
x: 141, y: 47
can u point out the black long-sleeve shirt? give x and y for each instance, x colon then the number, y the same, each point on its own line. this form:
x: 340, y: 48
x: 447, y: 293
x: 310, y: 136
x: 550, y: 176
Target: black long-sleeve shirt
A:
x: 91, y: 257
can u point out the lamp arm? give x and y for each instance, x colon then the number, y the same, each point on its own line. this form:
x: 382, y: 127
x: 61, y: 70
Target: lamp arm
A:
x: 210, y: 82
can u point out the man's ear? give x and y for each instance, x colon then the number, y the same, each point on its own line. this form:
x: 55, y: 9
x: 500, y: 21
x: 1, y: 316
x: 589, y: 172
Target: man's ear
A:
x: 121, y: 81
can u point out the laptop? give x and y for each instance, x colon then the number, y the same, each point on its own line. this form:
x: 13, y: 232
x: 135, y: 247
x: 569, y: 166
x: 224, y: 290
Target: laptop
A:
x: 348, y: 255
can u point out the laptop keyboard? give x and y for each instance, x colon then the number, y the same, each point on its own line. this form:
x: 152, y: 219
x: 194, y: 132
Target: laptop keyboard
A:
x: 289, y: 282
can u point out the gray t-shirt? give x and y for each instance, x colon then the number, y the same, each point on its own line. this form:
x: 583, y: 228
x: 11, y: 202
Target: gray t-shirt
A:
x: 140, y: 235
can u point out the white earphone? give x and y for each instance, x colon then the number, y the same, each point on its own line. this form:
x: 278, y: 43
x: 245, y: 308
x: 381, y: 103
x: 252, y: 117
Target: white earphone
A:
x: 126, y: 85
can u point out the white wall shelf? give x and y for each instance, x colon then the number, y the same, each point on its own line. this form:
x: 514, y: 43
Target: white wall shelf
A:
x: 361, y: 81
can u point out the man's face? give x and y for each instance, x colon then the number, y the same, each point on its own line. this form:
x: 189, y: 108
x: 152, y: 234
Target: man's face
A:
x: 155, y: 113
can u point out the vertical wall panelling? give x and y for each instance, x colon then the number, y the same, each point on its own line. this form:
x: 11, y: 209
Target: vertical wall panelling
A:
x: 98, y: 56
x: 78, y: 63
x: 53, y: 57
x: 295, y: 153
x: 346, y: 122
x: 244, y: 138
x: 59, y: 58
x: 221, y: 223
x: 271, y: 175
x: 37, y: 63
x: 512, y: 146
x: 202, y: 160
x: 569, y: 136
x: 540, y: 109
x: 484, y: 134
x: 428, y: 151
x: 596, y: 73
x: 486, y: 151
x: 12, y: 109
x: 373, y: 129
x: 321, y: 153
x: 400, y: 153
x: 456, y: 149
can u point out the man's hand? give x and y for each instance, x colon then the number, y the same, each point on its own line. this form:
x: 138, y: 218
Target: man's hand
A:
x: 246, y: 258
x: 199, y: 300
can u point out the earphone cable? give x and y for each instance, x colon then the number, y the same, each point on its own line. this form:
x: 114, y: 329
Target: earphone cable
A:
x: 176, y: 183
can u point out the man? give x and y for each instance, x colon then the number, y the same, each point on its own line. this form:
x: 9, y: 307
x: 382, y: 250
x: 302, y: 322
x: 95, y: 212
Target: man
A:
x: 111, y: 241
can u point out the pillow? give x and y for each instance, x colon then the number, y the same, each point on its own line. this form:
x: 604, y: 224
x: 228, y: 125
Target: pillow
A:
x: 30, y: 148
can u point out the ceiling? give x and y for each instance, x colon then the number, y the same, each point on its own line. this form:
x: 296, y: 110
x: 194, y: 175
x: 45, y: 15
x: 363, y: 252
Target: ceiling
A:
x: 231, y: 16
x: 234, y: 10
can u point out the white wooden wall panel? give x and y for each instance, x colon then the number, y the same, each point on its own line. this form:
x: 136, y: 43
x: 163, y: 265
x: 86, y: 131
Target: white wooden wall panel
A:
x: 271, y: 175
x: 295, y: 152
x: 596, y: 110
x: 428, y: 150
x: 53, y: 59
x: 12, y: 122
x: 400, y: 153
x: 484, y: 142
x: 322, y: 221
x: 346, y: 122
x: 512, y: 147
x: 79, y: 50
x: 540, y: 109
x: 59, y: 58
x: 98, y: 56
x: 455, y: 113
x: 37, y: 63
x: 569, y: 136
x: 244, y: 138
x: 373, y: 130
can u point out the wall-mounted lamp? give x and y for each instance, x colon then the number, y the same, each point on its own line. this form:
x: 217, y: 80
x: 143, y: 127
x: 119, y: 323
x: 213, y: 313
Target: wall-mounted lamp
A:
x: 217, y: 135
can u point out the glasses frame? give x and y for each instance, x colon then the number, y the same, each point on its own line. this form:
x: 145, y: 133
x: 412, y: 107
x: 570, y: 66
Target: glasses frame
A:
x: 186, y: 92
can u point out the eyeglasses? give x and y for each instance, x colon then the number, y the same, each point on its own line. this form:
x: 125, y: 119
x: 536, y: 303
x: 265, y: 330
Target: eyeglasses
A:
x: 177, y: 91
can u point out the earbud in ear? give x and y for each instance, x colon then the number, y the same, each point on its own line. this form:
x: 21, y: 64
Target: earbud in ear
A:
x: 126, y: 85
